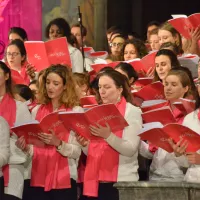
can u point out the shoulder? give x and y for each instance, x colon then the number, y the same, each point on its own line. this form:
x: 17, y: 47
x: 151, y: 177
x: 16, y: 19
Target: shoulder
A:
x: 21, y: 106
x: 34, y: 111
x: 73, y: 50
x: 133, y: 113
x: 3, y: 124
x: 192, y: 121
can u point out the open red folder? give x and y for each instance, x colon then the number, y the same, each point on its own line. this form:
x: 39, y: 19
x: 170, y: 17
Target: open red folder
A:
x: 186, y: 106
x: 150, y: 92
x: 98, y: 67
x: 183, y: 24
x: 31, y: 130
x: 80, y: 122
x: 88, y: 101
x: 43, y: 54
x: 163, y: 115
x: 153, y: 104
x: 159, y: 137
x: 144, y: 81
x: 149, y: 61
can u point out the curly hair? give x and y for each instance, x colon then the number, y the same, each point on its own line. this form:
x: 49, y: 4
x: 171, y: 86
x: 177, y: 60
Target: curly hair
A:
x: 69, y: 96
x: 139, y: 46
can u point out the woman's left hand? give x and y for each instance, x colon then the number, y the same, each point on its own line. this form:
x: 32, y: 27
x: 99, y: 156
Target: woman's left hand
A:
x: 100, y: 131
x: 49, y: 138
x: 30, y: 70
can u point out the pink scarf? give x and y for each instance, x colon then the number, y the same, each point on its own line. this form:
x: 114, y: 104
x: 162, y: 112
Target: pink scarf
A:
x: 102, y: 161
x: 49, y: 168
x: 8, y: 111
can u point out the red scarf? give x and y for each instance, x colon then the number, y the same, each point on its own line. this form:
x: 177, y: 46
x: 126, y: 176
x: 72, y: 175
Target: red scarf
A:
x: 8, y: 111
x: 99, y: 153
x: 49, y: 168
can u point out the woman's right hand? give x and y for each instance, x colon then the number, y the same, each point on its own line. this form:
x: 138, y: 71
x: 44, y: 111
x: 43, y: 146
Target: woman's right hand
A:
x: 81, y: 140
x: 21, y: 144
x: 180, y: 147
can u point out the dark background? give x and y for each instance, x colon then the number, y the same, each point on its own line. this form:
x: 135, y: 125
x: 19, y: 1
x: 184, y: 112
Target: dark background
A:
x: 134, y: 15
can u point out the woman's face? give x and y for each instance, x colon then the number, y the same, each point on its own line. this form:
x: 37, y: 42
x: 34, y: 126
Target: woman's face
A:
x: 14, y: 36
x: 173, y: 88
x: 55, y: 32
x: 3, y: 78
x: 154, y: 42
x: 108, y: 91
x: 163, y: 65
x: 117, y: 45
x: 130, y: 52
x: 166, y: 36
x: 54, y: 86
x: 13, y: 56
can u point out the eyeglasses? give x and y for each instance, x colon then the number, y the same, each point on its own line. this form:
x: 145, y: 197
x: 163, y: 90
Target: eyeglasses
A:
x: 14, y: 54
x: 116, y: 44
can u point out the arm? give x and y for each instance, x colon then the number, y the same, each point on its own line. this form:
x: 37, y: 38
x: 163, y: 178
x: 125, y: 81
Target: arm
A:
x: 71, y: 149
x: 4, y: 142
x: 129, y: 143
x: 144, y: 150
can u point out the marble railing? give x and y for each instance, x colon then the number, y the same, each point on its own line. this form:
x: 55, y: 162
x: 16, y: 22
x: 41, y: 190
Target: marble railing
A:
x: 149, y: 190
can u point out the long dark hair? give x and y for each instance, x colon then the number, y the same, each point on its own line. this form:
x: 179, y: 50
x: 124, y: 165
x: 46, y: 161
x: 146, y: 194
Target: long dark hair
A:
x: 7, y: 71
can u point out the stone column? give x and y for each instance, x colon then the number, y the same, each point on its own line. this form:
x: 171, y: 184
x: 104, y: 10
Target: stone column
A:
x: 100, y: 24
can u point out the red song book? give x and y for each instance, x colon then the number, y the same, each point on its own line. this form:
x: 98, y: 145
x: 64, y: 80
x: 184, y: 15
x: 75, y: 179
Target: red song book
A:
x: 43, y: 54
x: 159, y: 137
x: 163, y: 115
x: 31, y: 130
x: 150, y: 92
x: 143, y: 81
x: 98, y: 54
x: 136, y: 64
x: 80, y: 122
x: 149, y: 61
x: 186, y: 106
x: 98, y: 67
x: 88, y: 100
x: 183, y: 24
x: 153, y: 104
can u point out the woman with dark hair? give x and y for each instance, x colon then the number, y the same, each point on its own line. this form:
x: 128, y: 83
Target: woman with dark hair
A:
x: 16, y: 57
x: 120, y: 149
x: 59, y: 27
x: 15, y: 112
x: 127, y: 70
x: 56, y: 92
x: 164, y: 61
x: 17, y: 33
x: 134, y: 49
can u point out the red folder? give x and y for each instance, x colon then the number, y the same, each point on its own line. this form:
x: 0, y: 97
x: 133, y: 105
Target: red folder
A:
x: 31, y: 130
x: 98, y: 67
x: 149, y: 61
x: 143, y: 81
x: 150, y: 92
x: 183, y: 24
x: 43, y: 54
x: 79, y: 122
x: 152, y: 106
x: 163, y: 115
x: 88, y: 101
x: 159, y: 137
x: 137, y: 65
x: 186, y: 106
